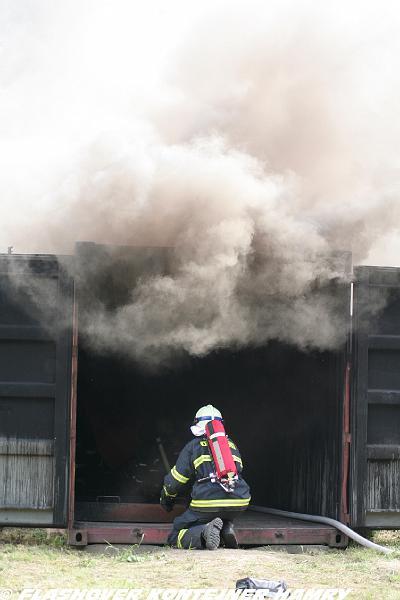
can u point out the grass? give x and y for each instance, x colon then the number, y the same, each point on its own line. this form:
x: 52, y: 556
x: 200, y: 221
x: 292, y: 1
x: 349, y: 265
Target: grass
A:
x: 31, y: 558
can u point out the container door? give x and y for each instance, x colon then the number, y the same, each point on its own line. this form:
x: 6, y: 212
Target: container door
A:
x: 375, y: 489
x: 35, y: 383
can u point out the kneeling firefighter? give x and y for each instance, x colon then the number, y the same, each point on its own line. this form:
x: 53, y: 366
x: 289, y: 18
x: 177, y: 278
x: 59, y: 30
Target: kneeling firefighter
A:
x: 212, y: 465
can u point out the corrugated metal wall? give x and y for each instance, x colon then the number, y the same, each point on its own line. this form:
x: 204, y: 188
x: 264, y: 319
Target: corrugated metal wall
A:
x: 35, y: 313
x: 376, y: 398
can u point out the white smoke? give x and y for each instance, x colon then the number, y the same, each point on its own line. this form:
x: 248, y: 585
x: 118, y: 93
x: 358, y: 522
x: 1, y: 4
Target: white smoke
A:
x: 252, y: 138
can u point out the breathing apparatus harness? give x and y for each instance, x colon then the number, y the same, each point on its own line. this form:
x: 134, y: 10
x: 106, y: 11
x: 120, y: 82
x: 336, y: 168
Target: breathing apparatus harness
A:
x: 225, y: 468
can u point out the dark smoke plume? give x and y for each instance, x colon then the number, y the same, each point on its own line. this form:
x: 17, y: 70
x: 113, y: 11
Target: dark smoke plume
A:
x: 266, y: 146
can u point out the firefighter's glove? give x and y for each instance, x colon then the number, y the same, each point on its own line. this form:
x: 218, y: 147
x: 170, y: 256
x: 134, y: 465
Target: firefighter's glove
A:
x: 167, y: 502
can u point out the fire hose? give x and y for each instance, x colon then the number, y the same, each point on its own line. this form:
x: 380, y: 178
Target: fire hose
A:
x: 302, y: 517
x: 326, y: 521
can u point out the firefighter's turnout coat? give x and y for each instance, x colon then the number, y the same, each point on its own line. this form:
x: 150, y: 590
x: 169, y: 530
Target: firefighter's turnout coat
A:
x: 195, y: 462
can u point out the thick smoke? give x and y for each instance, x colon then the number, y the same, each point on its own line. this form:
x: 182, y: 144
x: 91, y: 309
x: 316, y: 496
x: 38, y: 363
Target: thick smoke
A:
x: 242, y: 270
x: 266, y: 142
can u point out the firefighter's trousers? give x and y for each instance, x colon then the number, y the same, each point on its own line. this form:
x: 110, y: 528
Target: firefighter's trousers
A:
x: 188, y: 527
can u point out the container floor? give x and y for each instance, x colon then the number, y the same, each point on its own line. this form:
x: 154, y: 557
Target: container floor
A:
x: 148, y: 524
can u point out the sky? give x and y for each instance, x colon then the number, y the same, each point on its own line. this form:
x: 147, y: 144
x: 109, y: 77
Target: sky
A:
x: 89, y: 78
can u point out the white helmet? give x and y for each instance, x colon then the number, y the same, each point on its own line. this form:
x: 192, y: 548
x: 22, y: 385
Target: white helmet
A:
x: 204, y: 415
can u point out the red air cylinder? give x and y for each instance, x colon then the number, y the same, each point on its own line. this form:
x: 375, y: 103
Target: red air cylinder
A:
x: 220, y: 450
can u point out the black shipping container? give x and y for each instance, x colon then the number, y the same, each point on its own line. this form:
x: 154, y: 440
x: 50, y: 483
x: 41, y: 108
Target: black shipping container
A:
x: 319, y: 431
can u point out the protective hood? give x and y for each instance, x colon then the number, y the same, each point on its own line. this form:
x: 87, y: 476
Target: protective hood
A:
x: 199, y: 429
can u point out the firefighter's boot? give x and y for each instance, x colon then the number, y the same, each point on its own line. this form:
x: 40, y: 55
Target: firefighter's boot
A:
x: 212, y: 534
x: 228, y: 535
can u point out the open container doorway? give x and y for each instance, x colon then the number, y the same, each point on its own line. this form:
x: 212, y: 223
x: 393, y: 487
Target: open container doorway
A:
x: 319, y: 431
x: 282, y: 406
